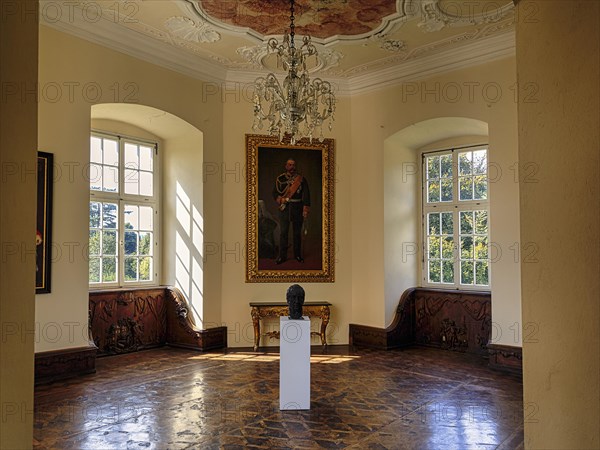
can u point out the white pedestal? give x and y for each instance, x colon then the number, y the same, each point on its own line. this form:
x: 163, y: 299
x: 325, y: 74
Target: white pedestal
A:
x: 294, y: 364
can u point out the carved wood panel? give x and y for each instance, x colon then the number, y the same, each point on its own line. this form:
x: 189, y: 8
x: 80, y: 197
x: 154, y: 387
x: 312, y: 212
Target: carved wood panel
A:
x: 452, y: 320
x: 127, y: 321
x: 455, y: 321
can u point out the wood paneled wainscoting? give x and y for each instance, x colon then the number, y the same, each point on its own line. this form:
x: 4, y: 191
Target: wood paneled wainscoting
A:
x: 447, y: 319
x: 129, y: 320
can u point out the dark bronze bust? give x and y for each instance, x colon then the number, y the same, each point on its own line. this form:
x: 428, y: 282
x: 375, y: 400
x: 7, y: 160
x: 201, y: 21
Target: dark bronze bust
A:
x: 295, y: 300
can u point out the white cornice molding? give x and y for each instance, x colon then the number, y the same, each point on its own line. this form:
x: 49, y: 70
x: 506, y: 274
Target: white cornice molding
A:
x: 474, y: 53
x: 138, y: 45
x: 467, y: 55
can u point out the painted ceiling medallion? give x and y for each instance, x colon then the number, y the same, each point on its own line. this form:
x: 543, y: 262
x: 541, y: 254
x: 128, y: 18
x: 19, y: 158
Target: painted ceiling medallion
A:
x: 189, y: 30
x: 328, y: 22
x: 317, y: 18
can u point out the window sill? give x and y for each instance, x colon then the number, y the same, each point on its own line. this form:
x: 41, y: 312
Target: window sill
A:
x: 104, y: 289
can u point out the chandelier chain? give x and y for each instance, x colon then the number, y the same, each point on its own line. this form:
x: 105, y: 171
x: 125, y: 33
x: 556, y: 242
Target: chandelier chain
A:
x: 292, y: 25
x: 298, y: 107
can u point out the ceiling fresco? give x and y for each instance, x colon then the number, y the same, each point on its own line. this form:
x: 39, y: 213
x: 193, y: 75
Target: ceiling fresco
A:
x: 227, y: 39
x: 318, y: 18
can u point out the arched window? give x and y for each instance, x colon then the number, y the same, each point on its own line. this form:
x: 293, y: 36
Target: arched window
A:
x: 456, y: 218
x: 123, y: 239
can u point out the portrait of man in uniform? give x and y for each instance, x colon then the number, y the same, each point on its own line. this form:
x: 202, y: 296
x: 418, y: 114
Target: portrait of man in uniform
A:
x: 293, y: 200
x: 290, y: 210
x: 290, y: 194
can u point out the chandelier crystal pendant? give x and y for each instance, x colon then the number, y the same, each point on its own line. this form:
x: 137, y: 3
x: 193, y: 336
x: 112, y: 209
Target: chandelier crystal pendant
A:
x: 299, y: 107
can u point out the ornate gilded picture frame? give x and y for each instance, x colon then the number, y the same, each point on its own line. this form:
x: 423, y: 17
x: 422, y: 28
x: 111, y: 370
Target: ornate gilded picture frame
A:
x: 289, y: 188
x: 43, y: 235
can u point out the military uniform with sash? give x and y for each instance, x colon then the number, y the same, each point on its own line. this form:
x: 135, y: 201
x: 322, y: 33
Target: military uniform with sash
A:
x: 293, y: 197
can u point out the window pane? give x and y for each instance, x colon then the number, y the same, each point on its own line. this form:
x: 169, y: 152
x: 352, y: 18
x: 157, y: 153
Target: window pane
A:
x: 111, y: 152
x: 131, y: 217
x: 434, y: 223
x: 146, y: 218
x: 146, y: 158
x: 447, y: 223
x: 448, y: 271
x: 466, y: 188
x: 95, y: 150
x: 434, y: 247
x: 466, y: 272
x: 145, y: 269
x: 481, y: 273
x: 109, y: 242
x: 109, y: 215
x: 146, y: 184
x: 433, y: 167
x: 466, y: 222
x: 446, y: 190
x: 465, y: 166
x: 131, y: 269
x: 480, y: 162
x: 131, y: 181
x: 109, y: 269
x: 435, y: 271
x: 94, y: 215
x: 131, y: 156
x: 111, y: 179
x: 447, y: 247
x: 145, y: 246
x: 466, y: 247
x: 481, y: 222
x: 481, y: 187
x: 131, y: 242
x: 446, y: 166
x: 481, y: 247
x: 94, y: 265
x: 94, y: 242
x: 95, y: 177
x: 433, y: 191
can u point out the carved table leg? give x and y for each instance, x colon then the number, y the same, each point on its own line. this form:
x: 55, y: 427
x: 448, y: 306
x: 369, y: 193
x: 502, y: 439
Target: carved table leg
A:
x: 324, y: 321
x: 256, y: 323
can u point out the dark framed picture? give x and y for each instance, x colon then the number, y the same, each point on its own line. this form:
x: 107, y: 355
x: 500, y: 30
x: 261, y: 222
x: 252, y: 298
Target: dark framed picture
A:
x: 289, y: 210
x: 43, y: 236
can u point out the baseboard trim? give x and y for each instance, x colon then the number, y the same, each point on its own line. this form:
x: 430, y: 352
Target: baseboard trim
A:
x: 62, y: 364
x: 506, y: 358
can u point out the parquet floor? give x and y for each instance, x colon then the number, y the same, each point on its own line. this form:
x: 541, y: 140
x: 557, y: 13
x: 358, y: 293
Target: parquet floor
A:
x: 167, y: 398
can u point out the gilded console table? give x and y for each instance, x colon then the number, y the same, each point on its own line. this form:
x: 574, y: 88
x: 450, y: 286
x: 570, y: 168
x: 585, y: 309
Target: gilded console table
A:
x: 260, y: 310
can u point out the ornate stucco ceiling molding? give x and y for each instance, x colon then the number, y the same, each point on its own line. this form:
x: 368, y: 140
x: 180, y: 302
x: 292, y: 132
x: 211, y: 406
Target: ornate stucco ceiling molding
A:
x: 365, y: 79
x: 389, y: 24
x: 434, y: 16
x: 479, y: 51
x: 193, y: 31
x: 135, y: 42
x: 257, y: 55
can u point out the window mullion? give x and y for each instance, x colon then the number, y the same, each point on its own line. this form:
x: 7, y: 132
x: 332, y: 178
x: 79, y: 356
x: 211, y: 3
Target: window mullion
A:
x: 121, y: 260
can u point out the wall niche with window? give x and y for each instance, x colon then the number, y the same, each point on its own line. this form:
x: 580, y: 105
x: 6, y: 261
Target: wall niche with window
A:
x: 146, y: 224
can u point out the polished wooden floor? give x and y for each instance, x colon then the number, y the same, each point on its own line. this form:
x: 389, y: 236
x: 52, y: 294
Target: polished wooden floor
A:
x: 174, y: 399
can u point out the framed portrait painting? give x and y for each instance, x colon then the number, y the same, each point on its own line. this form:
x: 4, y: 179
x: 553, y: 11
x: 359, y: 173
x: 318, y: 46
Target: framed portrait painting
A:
x: 289, y: 210
x: 43, y: 235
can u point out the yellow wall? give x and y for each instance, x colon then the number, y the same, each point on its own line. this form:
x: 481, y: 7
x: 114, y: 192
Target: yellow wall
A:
x: 485, y: 93
x: 18, y: 140
x: 237, y: 293
x: 363, y: 123
x: 559, y: 212
x: 72, y: 73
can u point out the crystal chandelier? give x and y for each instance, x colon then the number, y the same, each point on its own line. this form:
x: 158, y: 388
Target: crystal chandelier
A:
x: 300, y: 107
